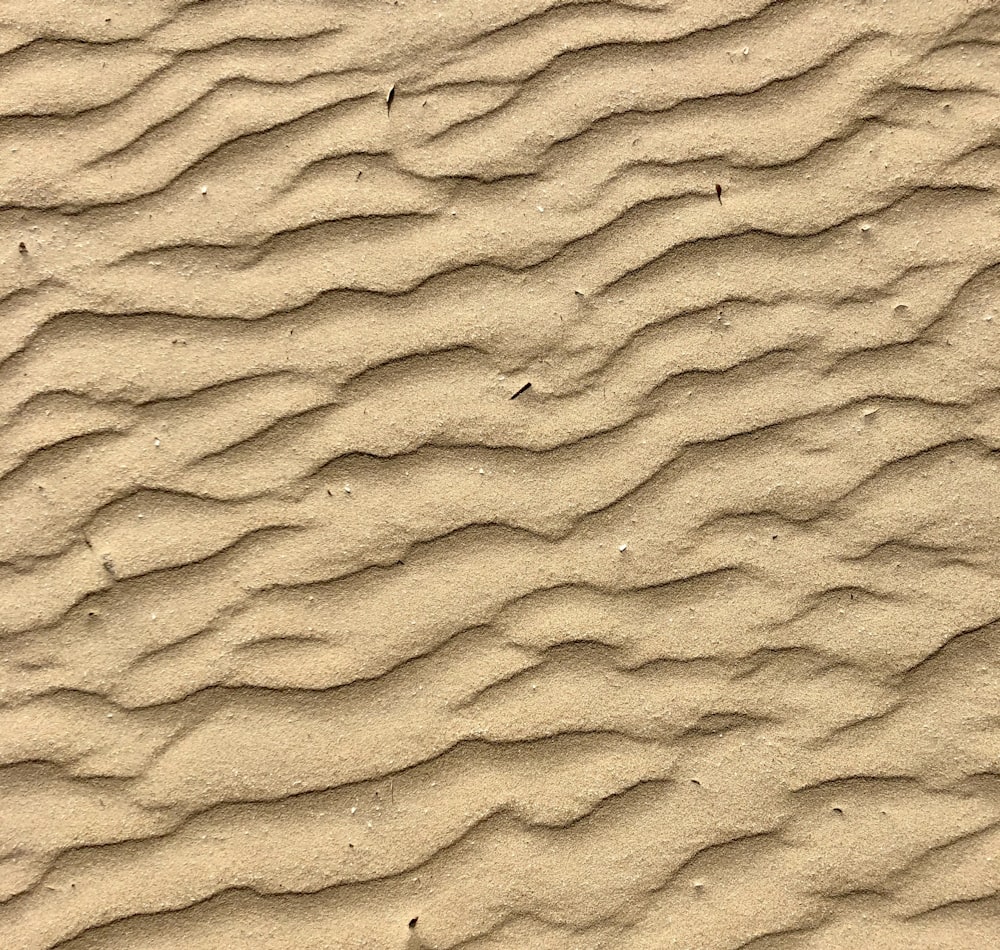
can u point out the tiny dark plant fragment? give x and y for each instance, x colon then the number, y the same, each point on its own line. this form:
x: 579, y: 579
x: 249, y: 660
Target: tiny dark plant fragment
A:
x: 22, y: 247
x: 523, y: 389
x: 413, y: 923
x: 389, y: 98
x: 718, y: 193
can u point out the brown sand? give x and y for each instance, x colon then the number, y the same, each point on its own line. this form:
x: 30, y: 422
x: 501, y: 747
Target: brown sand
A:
x: 311, y: 632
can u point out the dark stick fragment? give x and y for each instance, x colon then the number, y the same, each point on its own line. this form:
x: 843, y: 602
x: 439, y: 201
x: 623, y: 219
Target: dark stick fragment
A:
x: 413, y: 923
x: 389, y: 98
x: 524, y: 388
x: 718, y: 193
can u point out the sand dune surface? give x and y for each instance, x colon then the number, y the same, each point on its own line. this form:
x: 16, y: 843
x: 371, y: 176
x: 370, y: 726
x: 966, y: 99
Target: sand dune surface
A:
x: 500, y: 475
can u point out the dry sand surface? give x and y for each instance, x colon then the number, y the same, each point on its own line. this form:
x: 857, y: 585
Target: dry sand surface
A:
x: 313, y: 636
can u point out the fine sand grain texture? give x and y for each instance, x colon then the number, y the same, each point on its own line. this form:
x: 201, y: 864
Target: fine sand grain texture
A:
x: 507, y: 474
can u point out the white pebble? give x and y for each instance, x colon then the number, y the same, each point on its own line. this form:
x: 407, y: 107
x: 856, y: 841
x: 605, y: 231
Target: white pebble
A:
x: 347, y: 489
x: 623, y: 548
x: 204, y: 189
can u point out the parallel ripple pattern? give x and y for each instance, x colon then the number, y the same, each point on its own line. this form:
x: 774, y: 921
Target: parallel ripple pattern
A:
x: 312, y: 637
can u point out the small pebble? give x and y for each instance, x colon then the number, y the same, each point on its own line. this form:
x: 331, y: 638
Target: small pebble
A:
x: 623, y: 548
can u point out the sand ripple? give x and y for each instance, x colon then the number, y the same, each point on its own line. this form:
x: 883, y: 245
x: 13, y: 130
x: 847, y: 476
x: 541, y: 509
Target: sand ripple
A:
x: 312, y: 636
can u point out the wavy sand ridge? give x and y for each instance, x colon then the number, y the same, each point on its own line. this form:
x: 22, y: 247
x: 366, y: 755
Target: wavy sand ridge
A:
x: 309, y: 629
